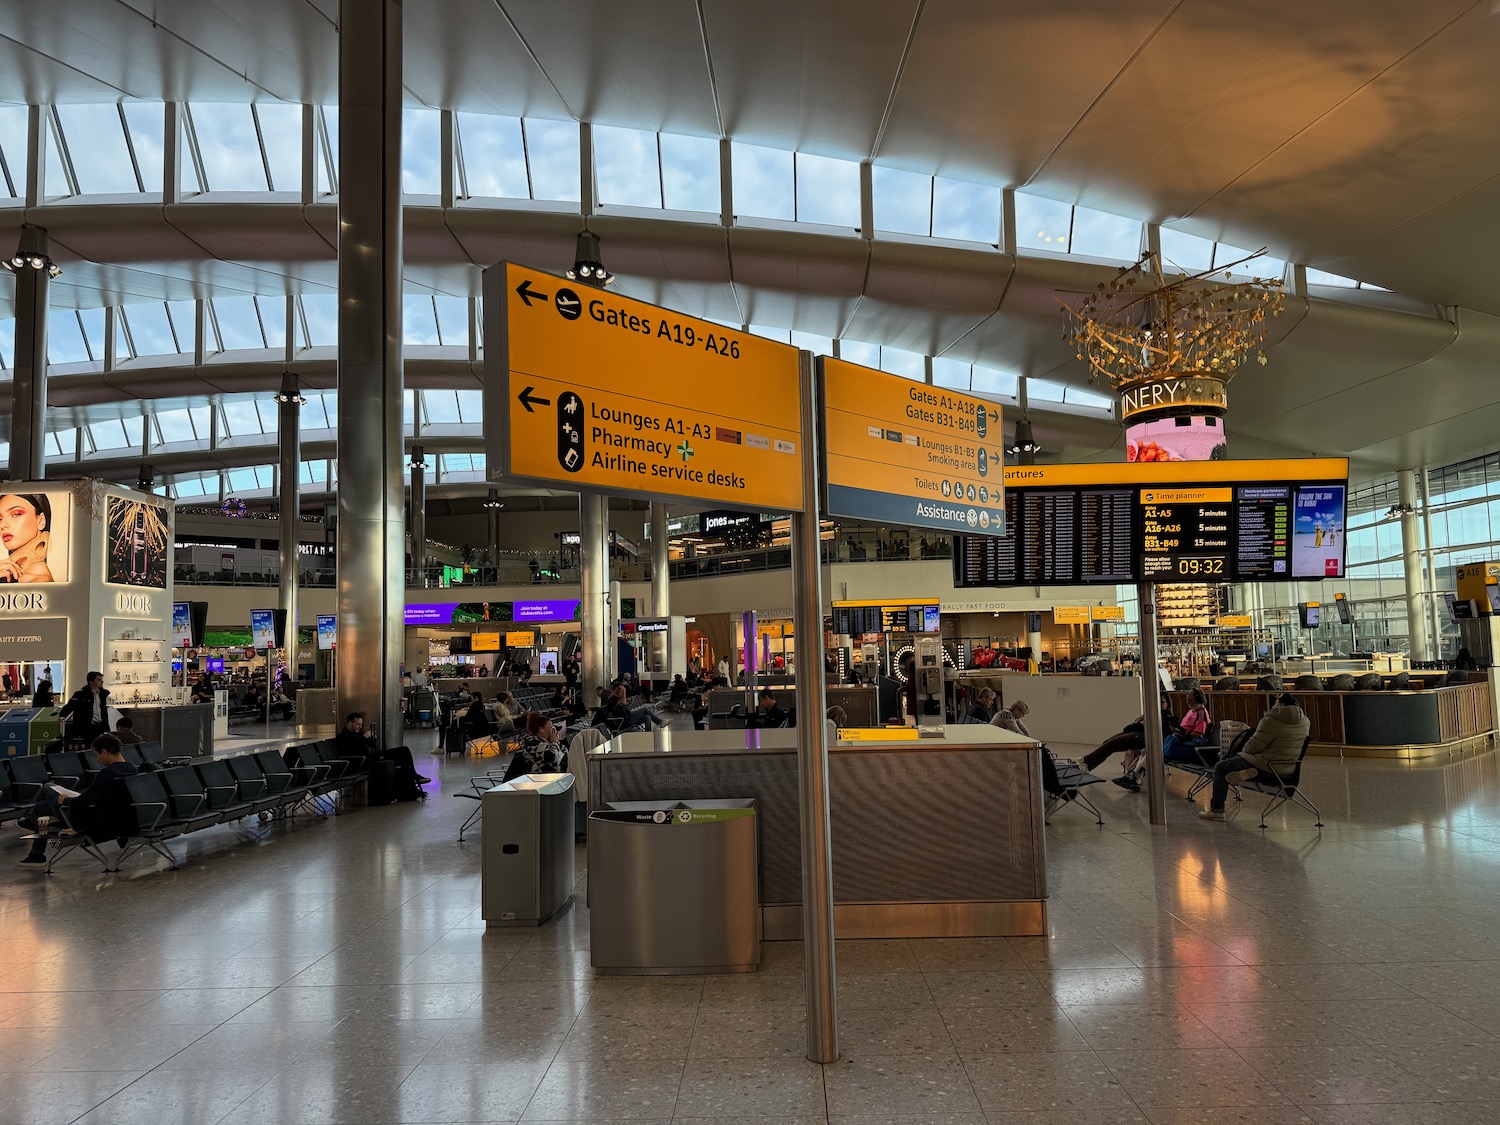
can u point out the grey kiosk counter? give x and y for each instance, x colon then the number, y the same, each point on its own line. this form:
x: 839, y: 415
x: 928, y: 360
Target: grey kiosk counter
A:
x: 932, y: 837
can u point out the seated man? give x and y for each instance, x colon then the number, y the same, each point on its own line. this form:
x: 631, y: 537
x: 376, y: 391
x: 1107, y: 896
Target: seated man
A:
x: 353, y: 743
x: 769, y: 714
x: 125, y: 732
x: 1131, y: 742
x: 1011, y: 719
x: 476, y: 720
x: 102, y: 808
x: 983, y: 708
x: 1277, y: 740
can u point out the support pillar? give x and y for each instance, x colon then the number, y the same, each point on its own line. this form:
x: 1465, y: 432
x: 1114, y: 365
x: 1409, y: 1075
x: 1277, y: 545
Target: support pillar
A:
x: 660, y: 563
x: 28, y: 394
x: 818, y: 967
x: 1411, y: 552
x: 1436, y: 633
x: 419, y: 515
x: 371, y: 525
x: 1156, y: 767
x: 593, y: 590
x: 289, y: 436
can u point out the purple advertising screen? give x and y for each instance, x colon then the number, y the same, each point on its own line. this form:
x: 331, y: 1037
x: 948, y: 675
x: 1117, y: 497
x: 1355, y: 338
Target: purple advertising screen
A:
x: 564, y: 610
x: 431, y: 613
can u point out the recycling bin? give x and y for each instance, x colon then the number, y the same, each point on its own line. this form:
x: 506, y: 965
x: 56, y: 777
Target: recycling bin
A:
x: 526, y: 864
x: 673, y: 887
x: 46, y: 728
x: 15, y: 731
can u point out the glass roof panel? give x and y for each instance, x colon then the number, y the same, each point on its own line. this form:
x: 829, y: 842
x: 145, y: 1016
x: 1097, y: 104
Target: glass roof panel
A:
x: 1187, y: 252
x: 421, y: 151
x: 108, y: 435
x: 1080, y: 396
x: 8, y: 342
x: 149, y: 328
x: 1042, y: 224
x: 1045, y: 390
x: 313, y: 472
x: 329, y: 400
x: 951, y: 373
x: 470, y: 407
x: 64, y: 338
x: 243, y: 480
x: 195, y: 484
x: 230, y: 148
x: 93, y: 330
x: 970, y: 212
x: 281, y: 129
x: 1322, y: 277
x: 988, y: 381
x: 763, y: 179
x: 781, y: 335
x: 827, y: 191
x: 690, y: 173
x: 238, y: 325
x: 909, y: 365
x: 176, y: 426
x: 96, y: 143
x: 55, y: 182
x: 418, y: 324
x: 184, y: 316
x: 147, y: 121
x: 63, y: 443
x: 857, y: 351
x: 903, y: 201
x: 13, y: 119
x: 494, y: 156
x: 273, y: 320
x: 1102, y: 235
x: 242, y: 419
x: 440, y: 408
x: 453, y: 321
x: 322, y: 312
x: 408, y: 408
x: 552, y: 155
x: 809, y: 341
x: 627, y: 167
x: 329, y: 115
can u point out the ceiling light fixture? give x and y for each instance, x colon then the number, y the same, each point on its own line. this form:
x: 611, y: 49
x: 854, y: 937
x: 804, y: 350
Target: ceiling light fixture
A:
x: 290, y: 392
x: 587, y: 267
x: 493, y: 500
x: 419, y: 458
x: 1024, y: 442
x: 32, y: 253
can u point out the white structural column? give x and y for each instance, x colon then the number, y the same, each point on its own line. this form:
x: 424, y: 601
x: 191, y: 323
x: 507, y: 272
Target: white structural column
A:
x: 1411, y: 553
x: 371, y: 548
x: 593, y: 590
x: 661, y: 605
x: 1435, y: 633
x: 289, y: 515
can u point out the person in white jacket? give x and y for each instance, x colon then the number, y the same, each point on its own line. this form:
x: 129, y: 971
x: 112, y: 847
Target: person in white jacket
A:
x: 1277, y: 740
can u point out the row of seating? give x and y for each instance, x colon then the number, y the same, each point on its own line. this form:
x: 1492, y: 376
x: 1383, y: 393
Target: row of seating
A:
x: 1344, y: 681
x: 168, y: 800
x: 22, y: 778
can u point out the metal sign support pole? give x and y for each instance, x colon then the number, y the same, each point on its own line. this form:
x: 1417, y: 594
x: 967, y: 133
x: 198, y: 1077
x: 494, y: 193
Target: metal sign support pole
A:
x: 1156, y: 771
x: 812, y: 742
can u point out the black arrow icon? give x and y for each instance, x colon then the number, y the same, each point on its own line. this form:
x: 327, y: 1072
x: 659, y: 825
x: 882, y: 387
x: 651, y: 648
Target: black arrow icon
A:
x: 528, y: 294
x: 526, y: 398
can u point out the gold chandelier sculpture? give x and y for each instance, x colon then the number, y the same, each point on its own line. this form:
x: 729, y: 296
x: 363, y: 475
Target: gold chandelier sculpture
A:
x: 1147, y: 325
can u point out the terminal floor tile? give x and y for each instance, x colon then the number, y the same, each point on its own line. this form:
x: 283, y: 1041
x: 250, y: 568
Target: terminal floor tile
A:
x: 338, y: 971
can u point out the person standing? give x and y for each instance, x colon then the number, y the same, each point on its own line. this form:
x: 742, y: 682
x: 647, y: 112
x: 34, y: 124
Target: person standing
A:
x: 88, y: 709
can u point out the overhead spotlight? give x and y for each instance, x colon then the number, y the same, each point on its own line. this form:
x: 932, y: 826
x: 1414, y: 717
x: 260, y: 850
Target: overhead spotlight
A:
x: 586, y: 265
x: 32, y: 252
x: 290, y: 392
x: 493, y: 500
x: 1396, y: 511
x: 419, y: 458
x: 1024, y: 441
x: 146, y: 479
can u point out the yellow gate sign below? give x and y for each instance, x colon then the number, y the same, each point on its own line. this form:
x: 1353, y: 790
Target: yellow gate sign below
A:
x: 910, y: 453
x: 593, y: 391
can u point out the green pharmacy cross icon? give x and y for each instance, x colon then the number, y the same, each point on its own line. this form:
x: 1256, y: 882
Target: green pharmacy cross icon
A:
x: 685, y: 450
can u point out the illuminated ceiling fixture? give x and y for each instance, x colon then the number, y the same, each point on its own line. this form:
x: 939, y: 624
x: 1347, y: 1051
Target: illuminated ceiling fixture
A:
x: 146, y: 479
x: 419, y: 458
x: 32, y: 253
x: 289, y: 390
x: 493, y: 500
x: 1024, y: 441
x: 1147, y: 325
x: 587, y: 267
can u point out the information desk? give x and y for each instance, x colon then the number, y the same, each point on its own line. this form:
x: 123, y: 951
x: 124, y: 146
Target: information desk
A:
x: 1370, y: 722
x: 937, y: 837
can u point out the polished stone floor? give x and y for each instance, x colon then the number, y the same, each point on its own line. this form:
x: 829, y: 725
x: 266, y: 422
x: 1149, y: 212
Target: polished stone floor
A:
x: 338, y: 971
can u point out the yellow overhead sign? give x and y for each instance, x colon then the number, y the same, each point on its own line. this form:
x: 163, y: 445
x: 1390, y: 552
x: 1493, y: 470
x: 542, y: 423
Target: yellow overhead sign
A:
x: 899, y: 451
x: 1070, y: 615
x: 1234, y: 621
x: 520, y: 640
x: 1147, y: 473
x: 602, y: 392
x: 1108, y: 613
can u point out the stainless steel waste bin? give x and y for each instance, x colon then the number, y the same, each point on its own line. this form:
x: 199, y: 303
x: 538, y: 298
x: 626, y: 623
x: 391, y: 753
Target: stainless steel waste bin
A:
x: 673, y: 887
x: 527, y: 855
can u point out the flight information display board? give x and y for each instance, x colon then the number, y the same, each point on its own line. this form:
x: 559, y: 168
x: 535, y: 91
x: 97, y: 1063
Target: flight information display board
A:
x: 856, y: 618
x: 1219, y: 531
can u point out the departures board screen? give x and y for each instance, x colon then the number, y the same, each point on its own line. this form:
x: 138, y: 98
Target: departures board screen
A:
x: 1218, y: 532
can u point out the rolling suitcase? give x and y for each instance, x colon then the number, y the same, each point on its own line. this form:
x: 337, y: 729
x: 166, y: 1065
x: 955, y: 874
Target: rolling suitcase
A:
x: 380, y: 789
